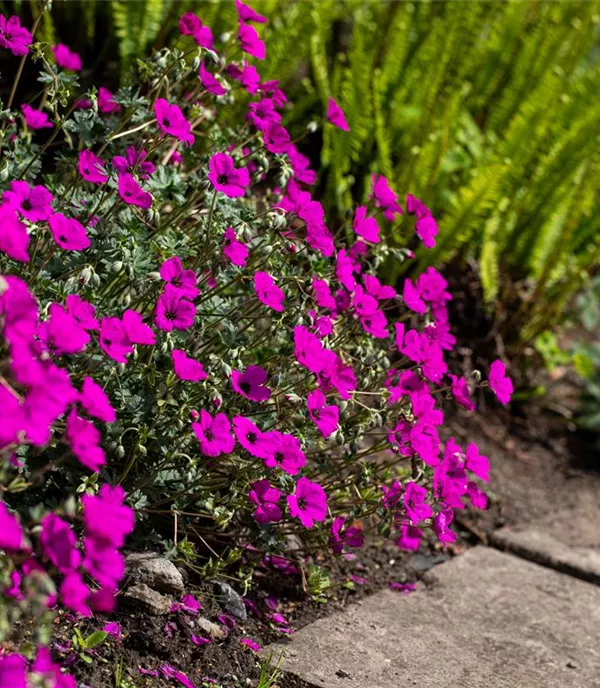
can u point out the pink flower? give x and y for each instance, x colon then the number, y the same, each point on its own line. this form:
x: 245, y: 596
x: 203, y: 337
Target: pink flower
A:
x: 250, y: 41
x: 251, y: 383
x: 500, y: 383
x: 68, y: 233
x: 132, y: 193
x: 413, y: 298
x: 61, y: 333
x: 247, y: 14
x: 95, y: 401
x: 199, y: 640
x: 477, y: 463
x: 59, y: 543
x: 441, y: 526
x: 66, y: 58
x: 13, y: 36
x: 84, y: 440
x: 427, y: 229
x: 14, y: 239
x: 136, y: 330
x: 402, y: 588
x: 265, y: 498
x: 134, y: 160
x: 36, y: 119
x: 322, y: 293
x: 324, y: 417
x: 173, y: 311
x: 254, y: 441
x: 113, y: 628
x: 226, y: 178
x: 107, y: 518
x: 191, y: 25
x: 114, y: 340
x: 11, y: 534
x: 366, y: 227
x: 33, y: 203
x: 247, y: 75
x: 183, y: 282
x: 210, y: 82
x: 106, y: 102
x: 309, y: 350
x: 385, y: 198
x: 344, y: 270
x: 13, y: 668
x: 171, y: 121
x: 214, y: 434
x: 340, y: 536
x: 308, y: 503
x: 248, y: 642
x: 461, y: 393
x: 336, y: 116
x: 263, y: 113
x: 276, y: 138
x: 91, y: 168
x: 75, y: 594
x: 268, y: 292
x: 284, y: 452
x: 376, y: 289
x: 416, y: 507
x: 234, y: 249
x: 410, y: 537
x: 82, y: 311
x: 187, y: 368
x: 391, y: 495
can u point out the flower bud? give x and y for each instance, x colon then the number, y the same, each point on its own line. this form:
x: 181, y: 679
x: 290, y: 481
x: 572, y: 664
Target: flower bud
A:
x: 339, y: 438
x: 142, y: 450
x: 196, y: 64
x: 477, y: 376
x: 311, y: 127
x: 120, y: 452
x: 117, y: 266
x: 154, y: 276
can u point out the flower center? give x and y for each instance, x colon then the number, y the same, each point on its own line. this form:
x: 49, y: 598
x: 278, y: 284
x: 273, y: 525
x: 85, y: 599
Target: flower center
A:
x: 316, y: 414
x: 166, y: 122
x: 208, y: 434
x: 251, y: 437
x: 245, y: 387
x: 301, y: 503
x: 26, y: 205
x: 279, y: 457
x: 222, y: 179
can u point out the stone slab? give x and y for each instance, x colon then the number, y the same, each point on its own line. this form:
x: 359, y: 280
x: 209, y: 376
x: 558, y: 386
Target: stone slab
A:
x: 486, y: 619
x: 543, y: 547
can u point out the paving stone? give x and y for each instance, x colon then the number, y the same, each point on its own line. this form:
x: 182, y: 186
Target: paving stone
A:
x: 486, y: 619
x: 543, y: 547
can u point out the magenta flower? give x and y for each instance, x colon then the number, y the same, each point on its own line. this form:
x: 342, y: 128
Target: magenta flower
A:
x: 136, y: 330
x: 416, y: 507
x: 199, y: 640
x: 68, y: 233
x: 268, y: 292
x: 376, y: 289
x: 107, y: 518
x: 324, y: 417
x: 187, y: 368
x: 234, y: 249
x: 402, y: 588
x: 214, y: 434
x: 91, y: 168
x: 183, y: 282
x: 322, y: 293
x: 413, y: 298
x: 191, y: 25
x: 247, y: 75
x: 461, y: 393
x: 66, y: 58
x: 84, y: 440
x: 96, y: 402
x: 106, y: 102
x: 75, y: 594
x: 173, y: 311
x: 82, y: 311
x: 308, y: 503
x: 410, y: 537
x: 391, y: 495
x: 366, y: 227
x: 301, y: 166
x: 441, y: 526
x: 263, y: 113
x: 61, y: 333
x: 210, y: 82
x: 171, y: 121
x: 33, y: 203
x: 477, y: 463
x: 336, y: 116
x: 13, y: 36
x: 36, y: 119
x: 14, y: 239
x: 132, y: 193
x: 500, y: 383
x: 226, y: 178
x: 11, y: 534
x: 114, y: 340
x: 276, y: 138
x: 59, y: 543
x: 254, y: 441
x: 248, y: 642
x: 250, y: 41
x: 344, y: 270
x: 113, y: 628
x: 340, y: 536
x: 13, y: 668
x: 251, y: 383
x: 265, y: 498
x: 309, y: 350
x: 385, y: 197
x: 247, y: 14
x: 284, y: 451
x: 134, y: 160
x: 427, y: 229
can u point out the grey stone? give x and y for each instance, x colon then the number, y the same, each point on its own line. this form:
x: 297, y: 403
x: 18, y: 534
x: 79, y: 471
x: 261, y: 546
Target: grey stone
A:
x: 545, y: 548
x: 148, y: 600
x: 212, y: 629
x: 231, y: 601
x: 485, y: 619
x: 154, y: 571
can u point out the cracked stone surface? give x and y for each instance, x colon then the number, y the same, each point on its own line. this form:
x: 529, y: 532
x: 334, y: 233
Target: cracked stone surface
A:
x: 486, y: 619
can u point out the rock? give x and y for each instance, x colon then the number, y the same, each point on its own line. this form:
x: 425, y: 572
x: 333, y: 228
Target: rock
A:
x: 231, y: 601
x: 212, y: 629
x: 154, y: 571
x: 148, y: 600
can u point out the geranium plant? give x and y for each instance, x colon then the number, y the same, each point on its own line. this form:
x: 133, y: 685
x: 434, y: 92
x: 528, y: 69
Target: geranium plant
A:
x: 179, y: 324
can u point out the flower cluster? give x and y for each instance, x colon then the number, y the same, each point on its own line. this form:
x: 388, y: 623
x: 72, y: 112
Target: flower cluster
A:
x: 176, y: 312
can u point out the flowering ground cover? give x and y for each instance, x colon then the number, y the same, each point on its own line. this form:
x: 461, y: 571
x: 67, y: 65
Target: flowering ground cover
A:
x: 193, y: 359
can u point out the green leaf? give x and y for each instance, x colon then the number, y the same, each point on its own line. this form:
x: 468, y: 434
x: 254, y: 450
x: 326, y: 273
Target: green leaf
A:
x: 95, y: 639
